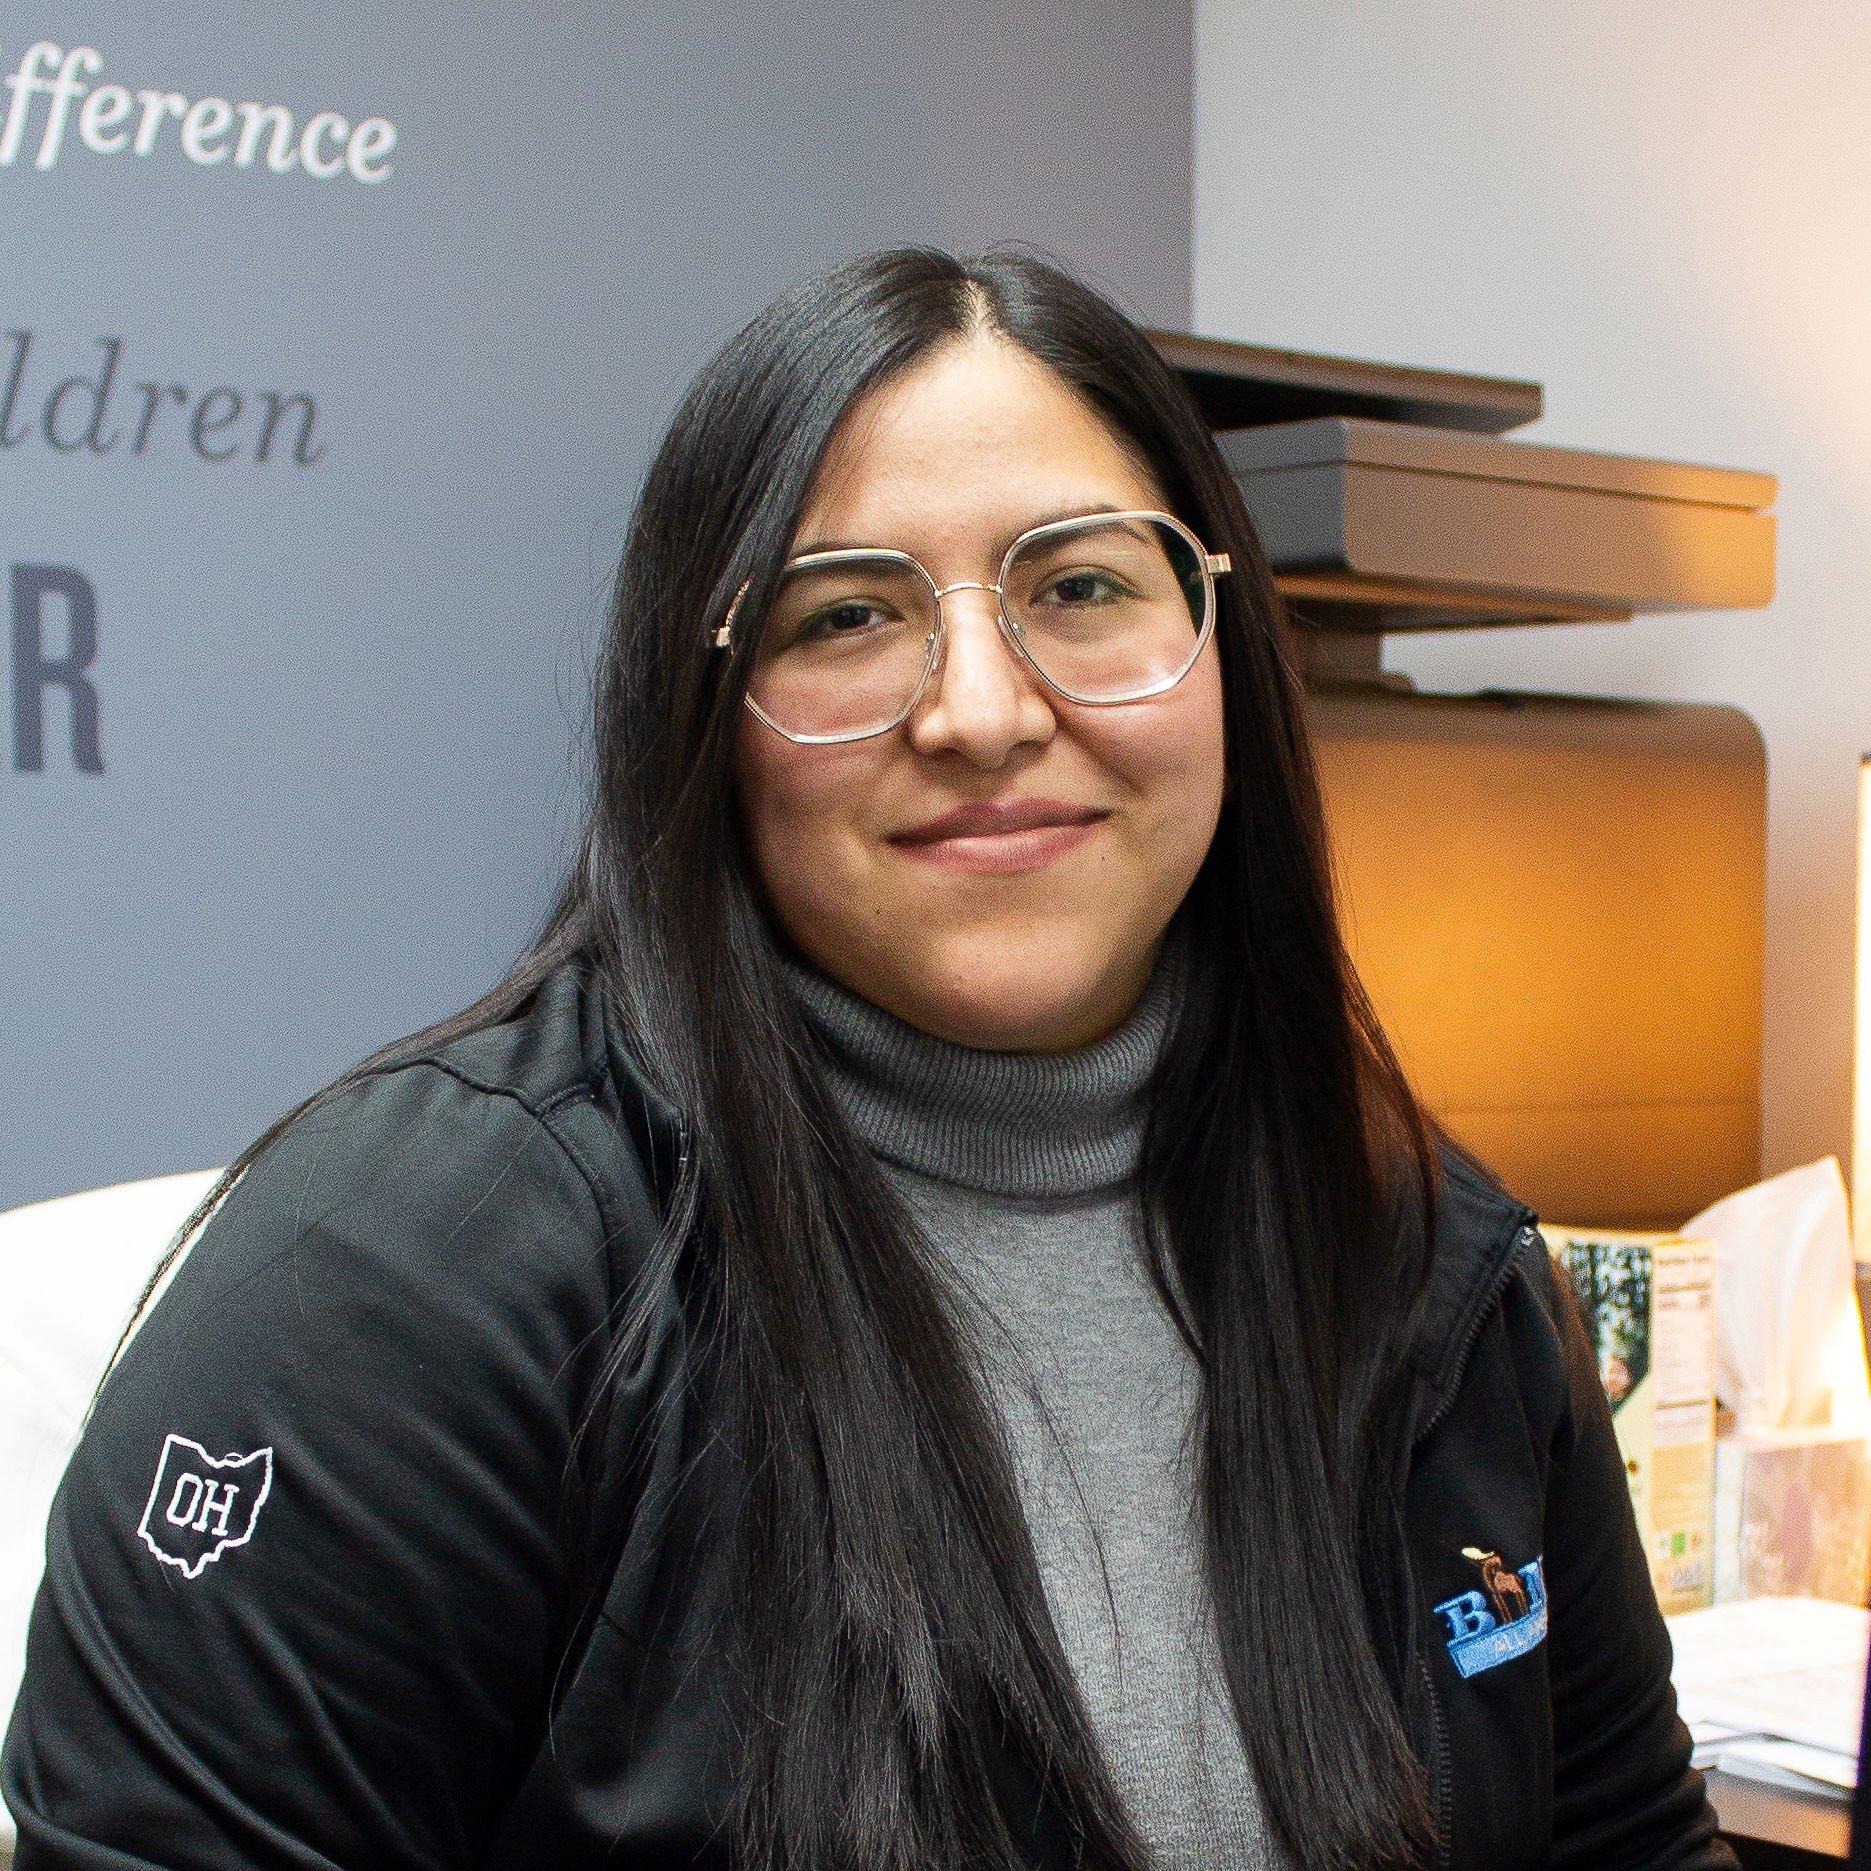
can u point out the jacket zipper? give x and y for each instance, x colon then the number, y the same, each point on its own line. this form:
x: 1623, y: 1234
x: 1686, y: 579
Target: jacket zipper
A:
x: 1445, y: 1778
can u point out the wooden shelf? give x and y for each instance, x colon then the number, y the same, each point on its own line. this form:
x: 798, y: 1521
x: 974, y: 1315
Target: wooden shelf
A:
x: 1241, y: 386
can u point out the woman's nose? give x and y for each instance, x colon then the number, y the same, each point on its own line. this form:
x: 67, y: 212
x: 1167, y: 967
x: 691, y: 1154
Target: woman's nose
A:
x: 982, y: 700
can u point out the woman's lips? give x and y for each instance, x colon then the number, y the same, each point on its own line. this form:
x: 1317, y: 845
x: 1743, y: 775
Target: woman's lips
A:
x: 1000, y: 853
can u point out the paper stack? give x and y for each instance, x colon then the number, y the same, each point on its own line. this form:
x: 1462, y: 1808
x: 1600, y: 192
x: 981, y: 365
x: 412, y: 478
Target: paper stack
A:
x: 1773, y: 1689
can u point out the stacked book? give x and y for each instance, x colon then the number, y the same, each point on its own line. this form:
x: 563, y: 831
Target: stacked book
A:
x: 1773, y: 1690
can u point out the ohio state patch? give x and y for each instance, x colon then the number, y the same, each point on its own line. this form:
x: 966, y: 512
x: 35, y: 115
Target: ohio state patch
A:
x: 200, y: 1504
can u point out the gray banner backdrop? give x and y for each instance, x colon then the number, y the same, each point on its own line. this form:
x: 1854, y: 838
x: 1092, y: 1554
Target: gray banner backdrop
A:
x: 319, y: 438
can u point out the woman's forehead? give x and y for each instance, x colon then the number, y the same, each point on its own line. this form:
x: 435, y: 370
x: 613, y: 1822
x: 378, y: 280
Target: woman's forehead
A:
x: 968, y: 447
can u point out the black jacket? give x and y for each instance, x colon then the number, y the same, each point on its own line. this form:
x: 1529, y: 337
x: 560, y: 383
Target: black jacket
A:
x: 308, y: 1596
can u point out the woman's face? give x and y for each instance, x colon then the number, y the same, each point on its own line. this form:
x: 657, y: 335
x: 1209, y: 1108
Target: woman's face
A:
x: 1033, y: 940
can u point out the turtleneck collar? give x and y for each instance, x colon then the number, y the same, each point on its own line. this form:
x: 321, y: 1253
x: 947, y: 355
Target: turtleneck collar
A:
x: 1008, y: 1123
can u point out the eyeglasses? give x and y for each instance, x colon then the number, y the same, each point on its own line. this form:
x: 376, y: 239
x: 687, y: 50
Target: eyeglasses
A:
x: 1103, y: 608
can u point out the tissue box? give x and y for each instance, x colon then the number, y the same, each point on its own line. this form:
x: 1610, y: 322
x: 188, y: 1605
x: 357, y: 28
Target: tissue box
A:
x: 1792, y: 1514
x: 1649, y: 1306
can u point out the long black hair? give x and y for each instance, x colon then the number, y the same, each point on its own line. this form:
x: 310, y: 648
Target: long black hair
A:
x: 889, y: 1627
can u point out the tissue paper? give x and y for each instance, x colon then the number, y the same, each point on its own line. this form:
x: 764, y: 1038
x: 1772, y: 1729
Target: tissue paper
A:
x: 1788, y: 1346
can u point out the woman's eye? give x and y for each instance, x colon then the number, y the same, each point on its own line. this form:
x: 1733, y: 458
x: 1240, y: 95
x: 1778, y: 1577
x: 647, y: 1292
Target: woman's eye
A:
x: 836, y: 620
x: 1087, y: 587
x: 846, y: 622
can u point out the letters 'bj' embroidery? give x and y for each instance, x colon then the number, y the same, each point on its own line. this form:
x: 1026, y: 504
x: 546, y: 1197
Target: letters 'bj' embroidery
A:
x: 1505, y: 1619
x: 200, y: 1504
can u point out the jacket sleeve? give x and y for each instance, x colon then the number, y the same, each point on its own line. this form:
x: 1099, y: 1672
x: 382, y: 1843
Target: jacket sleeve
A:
x: 303, y: 1571
x: 1624, y: 1795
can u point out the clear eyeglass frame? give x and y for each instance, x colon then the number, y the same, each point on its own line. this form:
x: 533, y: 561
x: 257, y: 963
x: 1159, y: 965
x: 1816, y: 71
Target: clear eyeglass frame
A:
x: 1211, y: 564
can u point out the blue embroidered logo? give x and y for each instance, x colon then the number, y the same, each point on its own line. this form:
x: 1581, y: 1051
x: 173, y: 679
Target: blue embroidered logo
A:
x: 1505, y: 1619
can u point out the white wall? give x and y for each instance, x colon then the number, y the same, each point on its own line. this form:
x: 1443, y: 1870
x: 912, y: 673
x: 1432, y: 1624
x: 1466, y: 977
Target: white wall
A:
x: 1664, y: 215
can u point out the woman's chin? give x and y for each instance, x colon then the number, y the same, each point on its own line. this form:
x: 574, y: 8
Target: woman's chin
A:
x: 1008, y: 1009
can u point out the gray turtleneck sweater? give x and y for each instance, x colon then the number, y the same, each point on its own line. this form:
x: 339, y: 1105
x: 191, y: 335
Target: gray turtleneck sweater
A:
x: 1019, y: 1167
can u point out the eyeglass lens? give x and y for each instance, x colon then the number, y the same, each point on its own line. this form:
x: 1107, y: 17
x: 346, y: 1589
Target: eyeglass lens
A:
x: 1107, y: 608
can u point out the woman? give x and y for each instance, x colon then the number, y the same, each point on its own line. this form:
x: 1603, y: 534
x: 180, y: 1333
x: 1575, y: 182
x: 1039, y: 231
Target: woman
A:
x: 921, y: 1326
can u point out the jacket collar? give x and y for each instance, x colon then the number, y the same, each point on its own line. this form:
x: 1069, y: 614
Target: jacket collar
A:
x: 654, y: 1123
x: 1480, y: 1231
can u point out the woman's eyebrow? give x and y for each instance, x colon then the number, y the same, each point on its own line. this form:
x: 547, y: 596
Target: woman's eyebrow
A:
x: 1069, y: 510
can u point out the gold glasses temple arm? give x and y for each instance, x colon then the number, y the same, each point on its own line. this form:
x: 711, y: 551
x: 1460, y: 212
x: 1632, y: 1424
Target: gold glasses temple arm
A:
x: 727, y: 623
